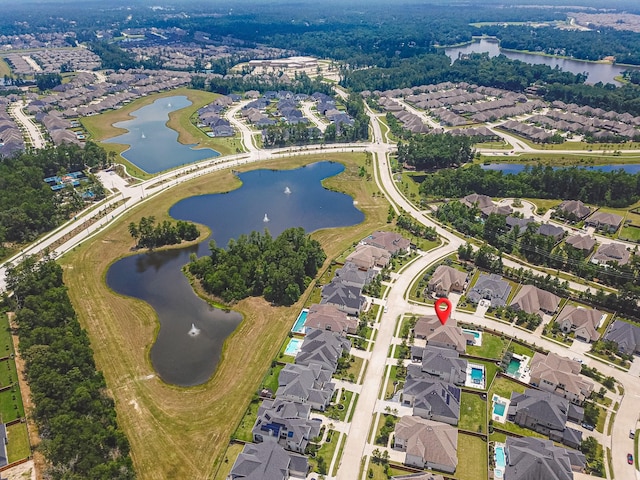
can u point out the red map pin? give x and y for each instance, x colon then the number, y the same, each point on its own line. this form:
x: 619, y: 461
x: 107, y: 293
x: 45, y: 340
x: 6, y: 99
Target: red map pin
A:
x: 443, y: 313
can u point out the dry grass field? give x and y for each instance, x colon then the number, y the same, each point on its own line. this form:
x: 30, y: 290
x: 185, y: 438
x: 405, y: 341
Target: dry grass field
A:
x: 184, y: 432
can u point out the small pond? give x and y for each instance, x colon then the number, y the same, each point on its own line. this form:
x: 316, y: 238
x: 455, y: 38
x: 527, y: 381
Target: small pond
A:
x: 189, y: 342
x: 153, y: 146
x: 518, y: 167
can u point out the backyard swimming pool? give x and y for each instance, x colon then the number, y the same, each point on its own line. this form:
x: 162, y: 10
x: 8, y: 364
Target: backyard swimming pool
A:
x: 501, y: 461
x: 298, y: 327
x: 498, y: 408
x: 475, y: 333
x: 514, y: 366
x: 477, y: 374
x: 293, y: 347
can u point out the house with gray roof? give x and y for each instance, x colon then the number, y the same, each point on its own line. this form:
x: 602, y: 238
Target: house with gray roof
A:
x: 286, y: 423
x: 532, y: 299
x: 625, y: 335
x: 546, y: 413
x: 432, y: 399
x: 350, y: 274
x: 347, y: 298
x: 322, y: 347
x: 446, y: 279
x: 521, y: 223
x: 531, y: 458
x: 490, y: 287
x: 308, y: 384
x: 268, y: 461
x: 428, y: 444
x: 573, y: 210
x: 611, y: 252
x: 585, y: 243
x: 550, y: 230
x: 582, y: 321
x: 604, y: 221
x: 437, y: 362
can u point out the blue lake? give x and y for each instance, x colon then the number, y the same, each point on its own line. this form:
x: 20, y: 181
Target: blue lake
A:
x: 153, y: 146
x: 189, y: 342
x: 596, y: 72
x: 518, y: 167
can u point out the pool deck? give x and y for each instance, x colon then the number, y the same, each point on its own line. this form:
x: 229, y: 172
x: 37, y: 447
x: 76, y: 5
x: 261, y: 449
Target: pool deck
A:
x: 469, y: 380
x: 523, y: 374
x: 500, y: 418
x: 498, y: 472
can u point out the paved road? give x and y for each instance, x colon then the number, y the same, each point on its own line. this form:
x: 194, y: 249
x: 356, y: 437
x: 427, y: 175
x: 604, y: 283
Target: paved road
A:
x: 29, y: 126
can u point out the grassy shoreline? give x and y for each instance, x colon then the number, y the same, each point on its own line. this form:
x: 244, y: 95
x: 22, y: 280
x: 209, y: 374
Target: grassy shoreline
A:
x: 183, y: 432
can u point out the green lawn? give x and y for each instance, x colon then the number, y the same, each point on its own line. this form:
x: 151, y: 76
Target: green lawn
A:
x: 243, y: 432
x: 351, y: 373
x: 8, y: 373
x: 233, y: 450
x: 520, y: 349
x: 503, y: 387
x: 630, y: 233
x: 473, y: 413
x: 492, y: 347
x: 601, y: 419
x: 518, y: 430
x: 353, y: 407
x: 6, y: 345
x: 498, y: 437
x: 11, y: 404
x: 326, y: 451
x: 271, y: 379
x: 473, y: 458
x: 385, y: 418
x: 18, y: 442
x: 390, y: 384
x: 338, y: 411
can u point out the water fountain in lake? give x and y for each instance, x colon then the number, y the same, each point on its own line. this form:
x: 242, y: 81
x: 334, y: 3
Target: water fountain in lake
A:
x: 194, y: 331
x: 287, y: 191
x: 143, y: 135
x: 169, y: 105
x: 265, y: 219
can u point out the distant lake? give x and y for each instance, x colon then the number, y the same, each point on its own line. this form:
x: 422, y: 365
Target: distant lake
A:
x: 153, y: 146
x: 518, y: 167
x: 288, y: 198
x: 597, y: 72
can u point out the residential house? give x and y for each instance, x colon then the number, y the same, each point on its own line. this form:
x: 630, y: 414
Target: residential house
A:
x: 432, y: 399
x: 330, y: 317
x: 428, y: 444
x: 532, y: 299
x: 573, y: 210
x: 496, y: 209
x: 428, y: 324
x: 611, y: 252
x: 322, y: 347
x: 531, y: 458
x: 604, y: 221
x: 393, y: 243
x: 490, y: 287
x: 286, y: 423
x: 520, y: 223
x: 559, y: 375
x: 268, y: 461
x: 549, y: 230
x: 366, y: 257
x: 546, y: 413
x: 353, y: 276
x: 305, y: 384
x: 418, y: 476
x: 582, y: 321
x: 347, y: 298
x: 446, y: 279
x: 450, y: 336
x: 585, y: 243
x: 626, y: 335
x: 437, y: 362
x: 477, y: 200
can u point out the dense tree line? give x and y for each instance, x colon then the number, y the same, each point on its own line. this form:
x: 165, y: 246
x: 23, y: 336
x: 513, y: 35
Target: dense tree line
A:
x: 75, y: 416
x: 279, y: 269
x: 614, y: 189
x: 47, y: 81
x: 477, y: 68
x: 112, y: 56
x: 585, y: 45
x: 434, y: 151
x: 608, y: 97
x: 149, y: 235
x: 301, y: 83
x: 28, y: 206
